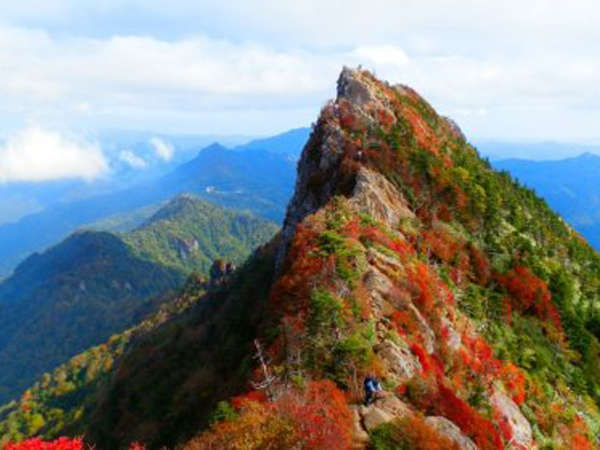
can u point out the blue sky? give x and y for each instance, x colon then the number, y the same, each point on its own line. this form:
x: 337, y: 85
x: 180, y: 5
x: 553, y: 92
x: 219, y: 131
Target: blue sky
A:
x: 508, y: 70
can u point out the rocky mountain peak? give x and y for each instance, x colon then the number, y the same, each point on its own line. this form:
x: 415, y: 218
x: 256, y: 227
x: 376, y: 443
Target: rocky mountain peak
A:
x: 336, y: 160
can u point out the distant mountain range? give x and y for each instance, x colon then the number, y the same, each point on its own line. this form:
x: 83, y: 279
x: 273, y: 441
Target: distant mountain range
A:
x: 94, y: 284
x: 537, y: 151
x: 260, y: 180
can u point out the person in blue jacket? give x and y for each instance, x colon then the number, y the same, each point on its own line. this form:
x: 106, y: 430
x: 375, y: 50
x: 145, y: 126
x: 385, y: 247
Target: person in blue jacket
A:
x: 371, y: 388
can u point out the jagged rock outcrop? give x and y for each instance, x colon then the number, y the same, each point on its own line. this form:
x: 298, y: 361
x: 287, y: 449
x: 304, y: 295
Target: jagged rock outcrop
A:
x: 220, y: 272
x: 321, y: 174
x: 510, y: 414
x: 449, y: 429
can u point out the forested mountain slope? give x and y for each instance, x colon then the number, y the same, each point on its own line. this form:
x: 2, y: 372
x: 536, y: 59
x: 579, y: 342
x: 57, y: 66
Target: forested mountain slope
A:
x: 570, y: 186
x: 403, y: 255
x: 95, y: 284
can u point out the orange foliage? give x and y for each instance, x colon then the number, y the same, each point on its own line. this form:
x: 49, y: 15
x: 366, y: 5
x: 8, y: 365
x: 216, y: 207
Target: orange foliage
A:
x: 514, y: 382
x: 318, y: 418
x: 257, y: 427
x: 374, y: 234
x: 481, y: 358
x: 241, y: 401
x: 321, y: 416
x: 292, y: 290
x: 580, y: 442
x: 481, y: 265
x: 415, y: 433
x: 423, y: 133
x: 404, y: 322
x: 442, y: 244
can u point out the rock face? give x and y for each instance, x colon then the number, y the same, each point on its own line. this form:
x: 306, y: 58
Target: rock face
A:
x: 184, y: 247
x: 374, y: 416
x: 220, y: 271
x: 383, y: 410
x: 376, y: 196
x: 321, y: 174
x: 511, y: 415
x: 401, y: 363
x: 448, y: 429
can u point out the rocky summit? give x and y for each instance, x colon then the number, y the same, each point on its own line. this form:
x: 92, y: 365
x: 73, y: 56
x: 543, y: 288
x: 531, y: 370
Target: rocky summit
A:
x: 404, y: 257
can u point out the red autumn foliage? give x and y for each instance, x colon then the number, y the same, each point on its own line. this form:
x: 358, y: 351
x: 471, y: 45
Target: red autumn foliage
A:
x: 385, y: 118
x: 481, y: 359
x: 292, y: 290
x: 530, y: 294
x: 374, y: 234
x: 442, y: 244
x: 137, y: 446
x: 404, y: 322
x: 504, y: 425
x: 420, y: 353
x: 444, y: 214
x: 352, y: 229
x: 253, y: 396
x: 422, y: 132
x: 316, y: 418
x: 580, y: 442
x: 348, y: 118
x: 514, y: 382
x: 429, y: 363
x: 415, y: 433
x: 321, y: 415
x: 62, y: 443
x: 471, y: 422
x: 481, y: 265
x: 422, y: 280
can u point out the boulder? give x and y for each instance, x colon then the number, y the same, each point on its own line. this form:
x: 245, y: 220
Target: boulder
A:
x: 511, y: 415
x: 359, y: 435
x: 446, y: 428
x: 426, y: 332
x: 373, y: 416
x: 391, y: 404
x: 453, y: 339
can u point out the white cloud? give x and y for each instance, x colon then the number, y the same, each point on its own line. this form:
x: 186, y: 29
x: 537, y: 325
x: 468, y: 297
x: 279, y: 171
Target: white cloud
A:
x: 163, y: 149
x: 134, y: 161
x: 258, y: 67
x: 35, y: 154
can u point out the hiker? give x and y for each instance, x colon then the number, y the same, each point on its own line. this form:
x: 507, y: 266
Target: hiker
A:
x: 371, y: 388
